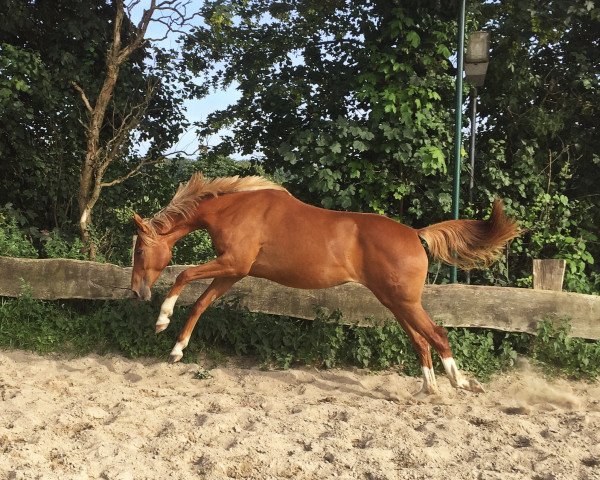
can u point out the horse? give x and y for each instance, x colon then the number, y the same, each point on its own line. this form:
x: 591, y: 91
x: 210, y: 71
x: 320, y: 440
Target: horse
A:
x: 259, y: 229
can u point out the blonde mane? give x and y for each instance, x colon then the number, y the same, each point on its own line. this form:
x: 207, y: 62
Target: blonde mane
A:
x: 197, y: 188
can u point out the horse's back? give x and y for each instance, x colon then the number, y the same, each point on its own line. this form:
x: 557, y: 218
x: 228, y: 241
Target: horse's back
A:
x: 311, y: 247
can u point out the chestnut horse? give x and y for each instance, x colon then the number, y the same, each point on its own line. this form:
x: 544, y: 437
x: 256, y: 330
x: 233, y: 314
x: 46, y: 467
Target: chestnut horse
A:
x: 259, y: 229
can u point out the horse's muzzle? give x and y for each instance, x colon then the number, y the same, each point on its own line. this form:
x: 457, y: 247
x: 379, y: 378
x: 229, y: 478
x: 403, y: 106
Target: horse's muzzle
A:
x: 143, y: 293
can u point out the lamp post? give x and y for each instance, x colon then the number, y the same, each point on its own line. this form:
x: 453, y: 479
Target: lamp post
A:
x: 475, y: 67
x: 476, y: 62
x: 458, y: 120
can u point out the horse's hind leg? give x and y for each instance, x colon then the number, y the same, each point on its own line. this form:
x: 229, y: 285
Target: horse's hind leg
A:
x: 217, y: 288
x: 418, y: 341
x: 418, y: 319
x: 424, y: 353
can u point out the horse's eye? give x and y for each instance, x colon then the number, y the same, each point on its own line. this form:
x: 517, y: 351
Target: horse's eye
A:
x: 139, y: 251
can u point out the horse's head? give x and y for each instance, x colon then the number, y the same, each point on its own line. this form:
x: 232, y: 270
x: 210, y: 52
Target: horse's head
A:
x: 151, y: 255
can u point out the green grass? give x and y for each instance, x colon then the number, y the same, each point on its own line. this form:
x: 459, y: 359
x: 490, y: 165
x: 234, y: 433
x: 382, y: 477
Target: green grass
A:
x: 127, y: 328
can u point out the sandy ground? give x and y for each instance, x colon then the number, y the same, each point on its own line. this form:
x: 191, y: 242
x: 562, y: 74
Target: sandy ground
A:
x: 112, y: 418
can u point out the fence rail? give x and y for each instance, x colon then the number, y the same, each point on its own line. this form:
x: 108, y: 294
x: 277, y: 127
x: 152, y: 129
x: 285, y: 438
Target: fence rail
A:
x: 501, y: 308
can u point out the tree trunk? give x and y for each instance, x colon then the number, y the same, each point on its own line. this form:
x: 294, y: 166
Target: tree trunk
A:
x: 87, y: 200
x: 93, y: 166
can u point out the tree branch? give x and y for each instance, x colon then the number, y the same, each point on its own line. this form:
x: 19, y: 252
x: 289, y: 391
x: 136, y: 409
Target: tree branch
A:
x: 129, y: 123
x: 100, y: 152
x: 142, y: 163
x: 84, y: 97
x: 173, y: 16
x: 132, y: 172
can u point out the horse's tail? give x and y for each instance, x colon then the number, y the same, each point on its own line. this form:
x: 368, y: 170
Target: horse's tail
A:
x: 471, y: 243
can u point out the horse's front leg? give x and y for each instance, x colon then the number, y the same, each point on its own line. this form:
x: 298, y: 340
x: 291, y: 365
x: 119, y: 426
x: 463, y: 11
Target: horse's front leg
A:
x: 220, y: 267
x: 217, y: 288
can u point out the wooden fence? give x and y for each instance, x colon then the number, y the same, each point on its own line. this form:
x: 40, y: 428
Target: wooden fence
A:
x: 501, y: 308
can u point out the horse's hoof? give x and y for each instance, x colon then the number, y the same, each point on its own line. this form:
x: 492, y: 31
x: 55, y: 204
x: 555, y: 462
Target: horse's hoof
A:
x: 475, y: 386
x: 161, y: 326
x: 425, y: 392
x: 175, y: 357
x: 422, y: 395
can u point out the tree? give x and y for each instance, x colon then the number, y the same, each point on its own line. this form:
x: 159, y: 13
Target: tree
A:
x: 42, y: 47
x: 540, y: 140
x: 351, y: 101
x: 102, y: 152
x: 45, y: 46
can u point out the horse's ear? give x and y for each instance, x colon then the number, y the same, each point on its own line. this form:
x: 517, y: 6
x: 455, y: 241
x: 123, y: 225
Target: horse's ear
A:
x: 139, y: 222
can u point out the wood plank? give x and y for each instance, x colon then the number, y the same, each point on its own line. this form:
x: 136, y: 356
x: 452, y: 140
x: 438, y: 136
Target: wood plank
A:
x: 548, y: 274
x: 501, y: 308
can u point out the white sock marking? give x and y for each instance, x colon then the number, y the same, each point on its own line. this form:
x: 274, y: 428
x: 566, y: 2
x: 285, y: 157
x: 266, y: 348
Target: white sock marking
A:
x: 166, y: 310
x: 456, y: 378
x: 178, y: 348
x: 429, y: 381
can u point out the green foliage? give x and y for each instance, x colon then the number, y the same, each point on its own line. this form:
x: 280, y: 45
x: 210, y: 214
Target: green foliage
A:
x: 18, y: 241
x: 13, y: 242
x: 79, y: 328
x: 482, y: 353
x: 279, y: 341
x: 348, y: 103
x: 351, y: 101
x: 41, y: 140
x: 127, y: 328
x: 202, y: 375
x: 56, y: 246
x: 195, y: 248
x: 538, y: 147
x: 382, y: 347
x: 576, y: 357
x: 44, y: 47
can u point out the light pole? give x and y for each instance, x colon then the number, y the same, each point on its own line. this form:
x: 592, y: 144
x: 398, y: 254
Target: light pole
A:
x: 458, y: 120
x: 475, y: 67
x: 476, y: 63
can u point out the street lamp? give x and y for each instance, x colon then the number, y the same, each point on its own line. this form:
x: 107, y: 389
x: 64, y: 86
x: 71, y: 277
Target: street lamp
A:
x: 477, y: 59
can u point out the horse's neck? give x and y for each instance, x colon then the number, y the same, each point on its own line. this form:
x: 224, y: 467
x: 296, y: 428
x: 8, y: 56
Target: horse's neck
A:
x: 202, y: 216
x: 183, y: 225
x: 179, y: 229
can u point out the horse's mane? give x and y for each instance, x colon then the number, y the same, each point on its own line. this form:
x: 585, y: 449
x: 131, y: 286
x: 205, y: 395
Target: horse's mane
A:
x: 197, y: 188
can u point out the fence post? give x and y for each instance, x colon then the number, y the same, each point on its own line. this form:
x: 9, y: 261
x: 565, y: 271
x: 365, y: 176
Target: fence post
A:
x: 133, y: 249
x: 548, y: 274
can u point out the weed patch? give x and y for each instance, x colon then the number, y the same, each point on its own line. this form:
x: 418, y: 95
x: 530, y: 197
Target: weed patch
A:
x: 555, y: 349
x: 127, y: 328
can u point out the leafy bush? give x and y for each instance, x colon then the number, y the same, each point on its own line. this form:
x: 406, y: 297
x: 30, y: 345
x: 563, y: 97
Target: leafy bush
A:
x: 17, y: 239
x: 194, y: 248
x: 554, y: 224
x: 483, y: 352
x: 78, y: 328
x: 13, y: 242
x: 55, y: 245
x: 576, y: 357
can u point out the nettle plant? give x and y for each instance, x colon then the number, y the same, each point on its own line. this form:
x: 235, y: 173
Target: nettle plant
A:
x: 13, y: 241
